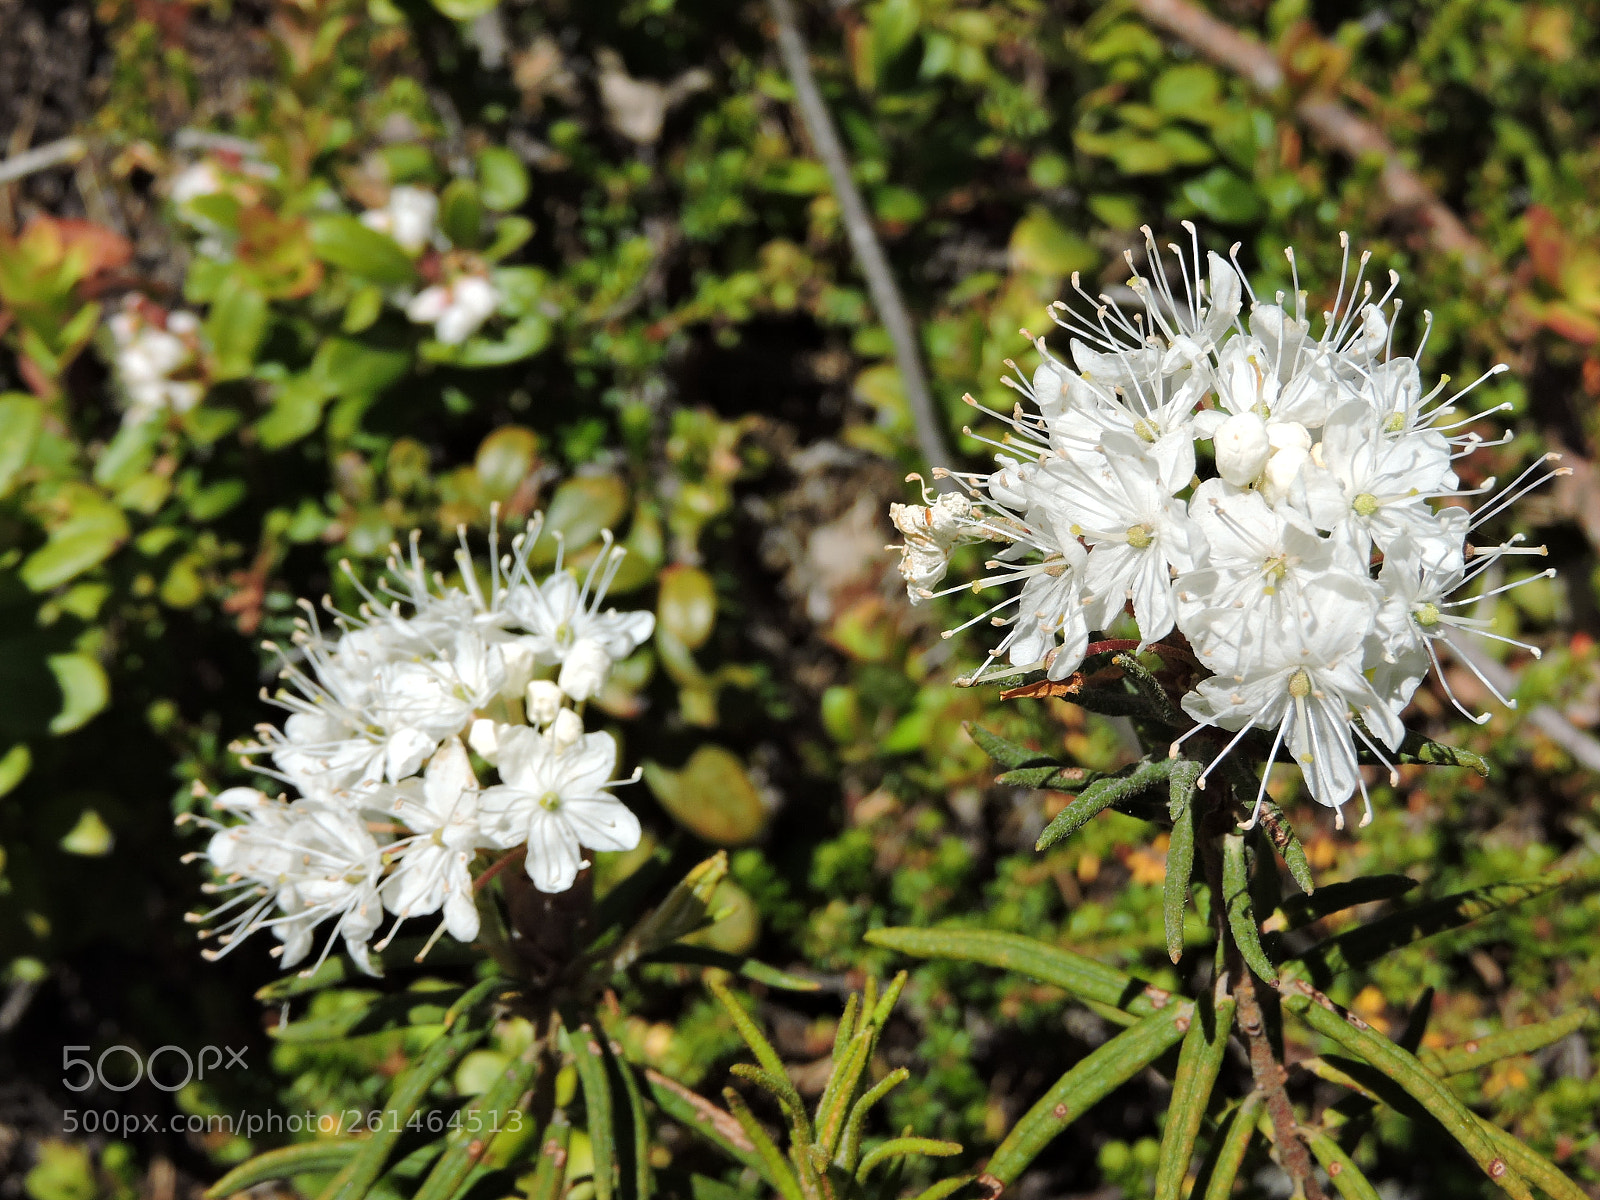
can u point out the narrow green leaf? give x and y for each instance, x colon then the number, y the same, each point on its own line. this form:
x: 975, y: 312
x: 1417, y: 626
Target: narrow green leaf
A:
x: 1150, y: 688
x: 462, y: 1032
x: 1221, y: 1167
x: 1341, y: 1168
x: 1288, y: 844
x: 287, y: 1162
x: 1406, y: 1071
x: 1103, y: 793
x: 586, y: 1057
x: 1525, y: 1039
x: 1106, y: 1068
x: 945, y: 1187
x: 1054, y: 777
x: 849, y: 1152
x: 464, y: 1149
x: 901, y: 1147
x: 1009, y: 755
x: 1533, y: 1166
x: 750, y: 968
x: 1241, y: 914
x: 775, y: 1170
x: 1334, y: 897
x: 833, y: 1109
x: 634, y: 1136
x: 1418, y: 749
x: 695, y: 1112
x: 1180, y: 855
x: 1081, y: 977
x: 1367, y: 943
x: 1199, y: 1061
x: 757, y: 1041
x: 382, y: 1013
x: 550, y: 1174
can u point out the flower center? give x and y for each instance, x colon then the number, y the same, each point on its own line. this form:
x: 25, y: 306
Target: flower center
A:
x: 1140, y: 536
x: 1365, y: 504
x: 1275, y: 568
x: 550, y: 802
x: 1146, y: 430
x: 1394, y: 422
x: 1300, y: 684
x: 563, y: 635
x: 1427, y: 616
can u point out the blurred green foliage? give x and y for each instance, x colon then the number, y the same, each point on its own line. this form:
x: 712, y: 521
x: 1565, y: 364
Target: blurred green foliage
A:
x: 682, y: 351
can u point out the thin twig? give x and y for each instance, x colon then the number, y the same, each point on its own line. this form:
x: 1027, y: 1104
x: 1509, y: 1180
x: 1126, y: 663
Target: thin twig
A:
x: 51, y: 154
x: 863, y: 237
x: 1324, y: 116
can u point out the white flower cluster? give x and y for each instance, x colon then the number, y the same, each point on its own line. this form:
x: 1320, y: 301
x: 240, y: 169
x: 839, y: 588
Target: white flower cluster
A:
x: 153, y: 348
x: 1311, y: 573
x: 382, y: 709
x: 456, y: 307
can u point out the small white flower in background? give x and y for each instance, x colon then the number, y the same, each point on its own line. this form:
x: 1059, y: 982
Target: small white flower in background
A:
x: 151, y: 348
x: 390, y: 813
x: 194, y: 181
x: 410, y: 218
x: 1309, y: 573
x: 457, y: 309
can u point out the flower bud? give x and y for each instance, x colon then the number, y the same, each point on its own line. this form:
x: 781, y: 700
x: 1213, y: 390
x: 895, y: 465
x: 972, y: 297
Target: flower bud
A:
x: 484, y: 738
x: 566, y: 729
x: 1242, y: 448
x: 1283, y: 468
x: 1286, y: 435
x: 584, y: 671
x: 544, y: 701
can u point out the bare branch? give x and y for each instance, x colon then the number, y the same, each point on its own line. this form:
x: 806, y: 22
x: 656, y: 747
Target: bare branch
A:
x: 863, y: 237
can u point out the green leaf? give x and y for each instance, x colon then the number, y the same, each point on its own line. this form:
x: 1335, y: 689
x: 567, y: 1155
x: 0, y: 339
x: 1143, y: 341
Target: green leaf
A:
x: 1085, y: 1085
x: 510, y: 235
x: 1288, y: 844
x: 1221, y: 1166
x: 1224, y: 196
x: 1368, y: 943
x: 1406, y: 1071
x: 1334, y: 897
x: 1041, y: 244
x: 1150, y: 688
x: 1418, y: 749
x: 578, y: 511
x: 1533, y: 1166
x: 1103, y: 793
x: 465, y: 10
x: 14, y: 766
x: 461, y: 215
x: 128, y: 454
x: 85, y: 540
x: 380, y: 1014
x: 901, y: 1147
x: 633, y: 1133
x: 757, y: 1041
x: 235, y: 326
x: 296, y: 410
x: 549, y: 1176
x: 1072, y: 973
x: 502, y: 179
x: 587, y: 1057
x: 504, y: 460
x: 1241, y: 913
x: 1341, y: 1168
x: 752, y: 969
x: 345, y: 365
x: 20, y: 420
x: 85, y: 690
x: 287, y: 1162
x: 686, y: 605
x: 1180, y: 858
x: 1525, y: 1039
x: 1199, y: 1061
x: 712, y: 796
x: 1188, y: 90
x: 463, y: 1030
x: 346, y: 243
x: 464, y: 1148
x: 1009, y: 755
x: 90, y: 837
x: 720, y: 1128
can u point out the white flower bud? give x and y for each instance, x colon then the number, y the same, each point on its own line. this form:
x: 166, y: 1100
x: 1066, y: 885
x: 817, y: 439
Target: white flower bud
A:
x: 1242, y: 448
x: 566, y: 729
x: 1283, y: 468
x: 484, y: 737
x: 1288, y: 435
x: 584, y: 670
x: 544, y: 701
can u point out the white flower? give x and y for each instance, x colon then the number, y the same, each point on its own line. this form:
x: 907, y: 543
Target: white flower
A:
x: 147, y: 357
x: 409, y: 217
x: 456, y: 310
x: 554, y: 800
x: 562, y: 618
x: 1308, y: 573
x: 433, y: 867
